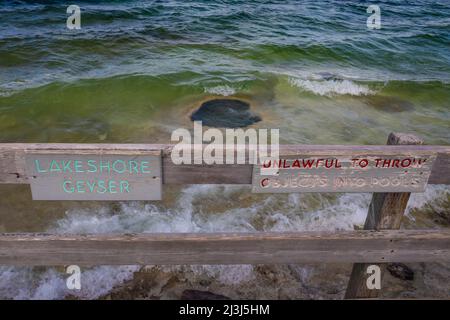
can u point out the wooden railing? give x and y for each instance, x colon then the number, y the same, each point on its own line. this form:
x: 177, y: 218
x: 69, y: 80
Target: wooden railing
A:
x: 375, y: 244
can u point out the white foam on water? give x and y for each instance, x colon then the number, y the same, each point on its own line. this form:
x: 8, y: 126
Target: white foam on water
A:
x: 433, y: 196
x: 31, y: 283
x: 331, y: 87
x: 15, y: 283
x: 223, y: 90
x: 277, y: 212
x: 6, y: 93
x: 343, y: 214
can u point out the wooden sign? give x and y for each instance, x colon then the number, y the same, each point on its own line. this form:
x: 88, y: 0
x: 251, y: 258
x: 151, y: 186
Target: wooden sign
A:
x: 343, y: 174
x: 95, y: 176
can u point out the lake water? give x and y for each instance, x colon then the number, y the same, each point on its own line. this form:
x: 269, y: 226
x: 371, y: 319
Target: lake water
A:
x: 135, y: 71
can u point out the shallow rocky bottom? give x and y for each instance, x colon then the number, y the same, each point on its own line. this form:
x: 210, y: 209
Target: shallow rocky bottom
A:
x: 324, y: 281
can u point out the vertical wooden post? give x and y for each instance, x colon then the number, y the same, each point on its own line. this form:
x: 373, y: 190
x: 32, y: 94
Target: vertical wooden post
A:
x: 385, y: 212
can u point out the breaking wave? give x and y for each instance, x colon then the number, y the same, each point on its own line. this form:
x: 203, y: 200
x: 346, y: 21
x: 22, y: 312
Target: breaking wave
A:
x: 331, y: 87
x: 288, y: 212
x: 224, y: 90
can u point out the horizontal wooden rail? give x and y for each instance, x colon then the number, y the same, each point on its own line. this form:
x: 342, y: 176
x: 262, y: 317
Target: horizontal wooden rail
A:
x: 12, y: 160
x: 226, y: 248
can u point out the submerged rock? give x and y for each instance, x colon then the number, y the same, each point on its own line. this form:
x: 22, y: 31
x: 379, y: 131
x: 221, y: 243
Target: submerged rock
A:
x: 201, y: 295
x: 389, y: 104
x: 401, y: 271
x: 225, y: 113
x: 445, y: 215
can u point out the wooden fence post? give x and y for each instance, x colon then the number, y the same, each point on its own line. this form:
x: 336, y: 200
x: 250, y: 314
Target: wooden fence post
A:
x: 385, y: 212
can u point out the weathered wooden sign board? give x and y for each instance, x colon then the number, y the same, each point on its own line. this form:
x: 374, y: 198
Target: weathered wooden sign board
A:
x: 96, y: 176
x: 343, y: 174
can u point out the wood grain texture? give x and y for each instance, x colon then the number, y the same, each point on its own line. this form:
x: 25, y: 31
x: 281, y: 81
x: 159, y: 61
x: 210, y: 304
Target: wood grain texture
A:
x: 385, y: 212
x: 225, y: 248
x: 341, y: 175
x: 12, y: 160
x: 81, y: 177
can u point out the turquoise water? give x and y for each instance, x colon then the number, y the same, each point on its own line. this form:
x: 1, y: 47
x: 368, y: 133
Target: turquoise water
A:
x: 137, y: 69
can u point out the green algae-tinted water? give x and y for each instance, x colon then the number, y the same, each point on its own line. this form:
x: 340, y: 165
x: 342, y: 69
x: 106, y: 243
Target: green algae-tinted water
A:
x: 136, y: 71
